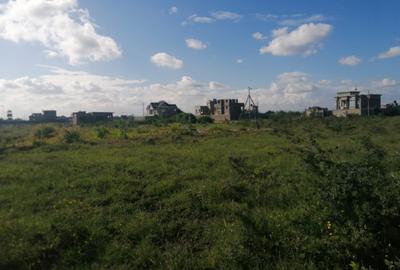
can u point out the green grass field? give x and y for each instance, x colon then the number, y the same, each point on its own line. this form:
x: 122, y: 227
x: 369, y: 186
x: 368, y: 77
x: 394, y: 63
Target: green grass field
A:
x: 288, y: 194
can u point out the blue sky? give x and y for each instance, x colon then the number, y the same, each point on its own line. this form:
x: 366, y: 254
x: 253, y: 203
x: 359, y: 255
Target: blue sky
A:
x: 115, y: 55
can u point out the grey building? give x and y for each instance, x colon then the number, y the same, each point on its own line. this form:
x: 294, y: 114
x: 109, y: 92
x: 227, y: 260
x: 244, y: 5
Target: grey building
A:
x: 47, y: 116
x: 202, y: 111
x: 355, y: 103
x: 316, y: 111
x: 83, y: 117
x: 221, y: 109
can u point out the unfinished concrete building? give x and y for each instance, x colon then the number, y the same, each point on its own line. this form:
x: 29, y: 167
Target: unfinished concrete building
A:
x: 221, y: 109
x: 317, y: 112
x: 82, y: 117
x: 202, y: 111
x: 355, y: 103
x: 47, y: 116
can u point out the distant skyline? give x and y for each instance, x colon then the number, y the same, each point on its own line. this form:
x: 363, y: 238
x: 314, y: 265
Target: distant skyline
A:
x: 99, y: 55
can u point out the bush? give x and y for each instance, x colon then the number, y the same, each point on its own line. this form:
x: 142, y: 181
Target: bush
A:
x: 205, y: 120
x: 360, y: 202
x: 45, y: 133
x: 72, y: 137
x: 186, y: 118
x: 101, y: 132
x: 123, y: 128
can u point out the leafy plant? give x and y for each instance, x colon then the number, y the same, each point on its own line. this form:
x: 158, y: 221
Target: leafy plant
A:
x: 101, y: 132
x: 45, y: 133
x: 72, y: 137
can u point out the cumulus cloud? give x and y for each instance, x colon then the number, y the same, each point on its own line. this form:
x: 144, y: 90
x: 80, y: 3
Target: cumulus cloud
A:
x: 64, y: 29
x: 259, y: 36
x: 226, y: 15
x: 68, y: 91
x: 239, y: 61
x: 173, y: 10
x: 165, y: 60
x: 302, y: 40
x: 350, y: 60
x: 294, y: 83
x: 293, y: 91
x: 195, y: 44
x: 392, y: 52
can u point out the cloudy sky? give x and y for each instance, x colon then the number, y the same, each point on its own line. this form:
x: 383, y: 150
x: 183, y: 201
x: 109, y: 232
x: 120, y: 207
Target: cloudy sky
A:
x: 102, y: 55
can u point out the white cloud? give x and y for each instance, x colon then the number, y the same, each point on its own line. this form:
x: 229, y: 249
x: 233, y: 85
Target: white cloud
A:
x: 217, y: 86
x: 303, y: 40
x: 166, y: 60
x: 280, y: 32
x: 195, y: 44
x: 392, y: 52
x: 198, y: 19
x: 215, y: 16
x: 291, y: 20
x: 61, y: 26
x: 384, y: 83
x: 259, y: 36
x: 292, y: 91
x: 325, y: 82
x: 68, y: 91
x: 226, y: 15
x: 299, y: 20
x: 239, y: 61
x: 294, y: 83
x: 173, y: 10
x: 266, y: 17
x: 350, y: 60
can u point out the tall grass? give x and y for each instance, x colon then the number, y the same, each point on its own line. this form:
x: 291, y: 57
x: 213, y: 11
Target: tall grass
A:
x: 283, y: 194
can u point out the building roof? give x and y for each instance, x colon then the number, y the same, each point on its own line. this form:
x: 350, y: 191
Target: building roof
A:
x: 348, y: 93
x: 161, y: 103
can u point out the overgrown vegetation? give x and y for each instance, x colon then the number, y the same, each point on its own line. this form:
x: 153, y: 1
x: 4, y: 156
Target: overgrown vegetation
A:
x: 282, y: 193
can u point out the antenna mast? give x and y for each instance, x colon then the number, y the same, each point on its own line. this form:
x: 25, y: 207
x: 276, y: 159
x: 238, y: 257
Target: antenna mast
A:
x: 250, y: 106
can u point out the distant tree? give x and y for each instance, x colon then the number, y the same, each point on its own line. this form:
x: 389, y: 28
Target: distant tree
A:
x: 392, y: 109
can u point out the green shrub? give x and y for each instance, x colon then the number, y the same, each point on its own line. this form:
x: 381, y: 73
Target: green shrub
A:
x: 101, y: 132
x: 205, y: 120
x: 186, y: 118
x: 123, y: 128
x: 45, y: 133
x: 72, y: 137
